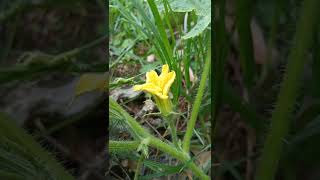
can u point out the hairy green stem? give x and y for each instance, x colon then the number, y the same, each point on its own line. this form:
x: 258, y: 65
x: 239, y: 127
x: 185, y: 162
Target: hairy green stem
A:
x: 182, y: 156
x: 120, y: 146
x: 140, y: 132
x: 173, y: 129
x: 280, y: 120
x: 197, y: 103
x: 10, y: 131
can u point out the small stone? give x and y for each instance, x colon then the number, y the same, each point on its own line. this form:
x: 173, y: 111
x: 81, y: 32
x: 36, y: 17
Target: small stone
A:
x: 148, y: 105
x: 151, y: 58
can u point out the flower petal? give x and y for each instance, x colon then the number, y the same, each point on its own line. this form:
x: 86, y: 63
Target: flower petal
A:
x: 151, y: 88
x: 152, y: 77
x: 167, y: 82
x: 137, y: 87
x: 165, y: 69
x: 158, y: 85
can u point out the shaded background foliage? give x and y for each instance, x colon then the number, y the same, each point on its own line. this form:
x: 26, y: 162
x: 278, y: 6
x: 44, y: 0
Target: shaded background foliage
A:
x: 45, y: 48
x: 255, y: 41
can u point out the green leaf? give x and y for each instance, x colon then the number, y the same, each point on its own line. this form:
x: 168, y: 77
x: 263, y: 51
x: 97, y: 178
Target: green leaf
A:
x: 202, y: 9
x: 91, y: 82
x: 199, y: 27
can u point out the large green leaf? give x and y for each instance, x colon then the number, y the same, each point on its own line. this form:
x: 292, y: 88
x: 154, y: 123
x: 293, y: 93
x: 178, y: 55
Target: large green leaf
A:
x: 203, y: 22
x: 202, y: 9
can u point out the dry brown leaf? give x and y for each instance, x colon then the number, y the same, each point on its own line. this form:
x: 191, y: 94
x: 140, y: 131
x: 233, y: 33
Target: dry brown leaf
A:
x: 204, y: 158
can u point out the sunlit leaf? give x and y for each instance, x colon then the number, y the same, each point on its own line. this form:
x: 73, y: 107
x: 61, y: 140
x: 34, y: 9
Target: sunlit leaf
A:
x: 202, y: 9
x: 199, y: 27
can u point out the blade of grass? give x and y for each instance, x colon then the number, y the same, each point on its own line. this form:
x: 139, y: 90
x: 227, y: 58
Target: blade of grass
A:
x: 148, y: 29
x: 280, y: 117
x: 173, y: 64
x: 197, y: 102
x: 139, y: 165
x: 243, y: 20
x: 166, y: 17
x: 273, y: 32
x: 186, y: 62
x: 220, y: 50
x: 161, y: 43
x: 160, y: 27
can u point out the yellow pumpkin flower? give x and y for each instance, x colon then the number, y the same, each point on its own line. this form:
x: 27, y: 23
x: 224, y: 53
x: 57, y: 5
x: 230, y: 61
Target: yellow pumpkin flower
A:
x: 159, y: 87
